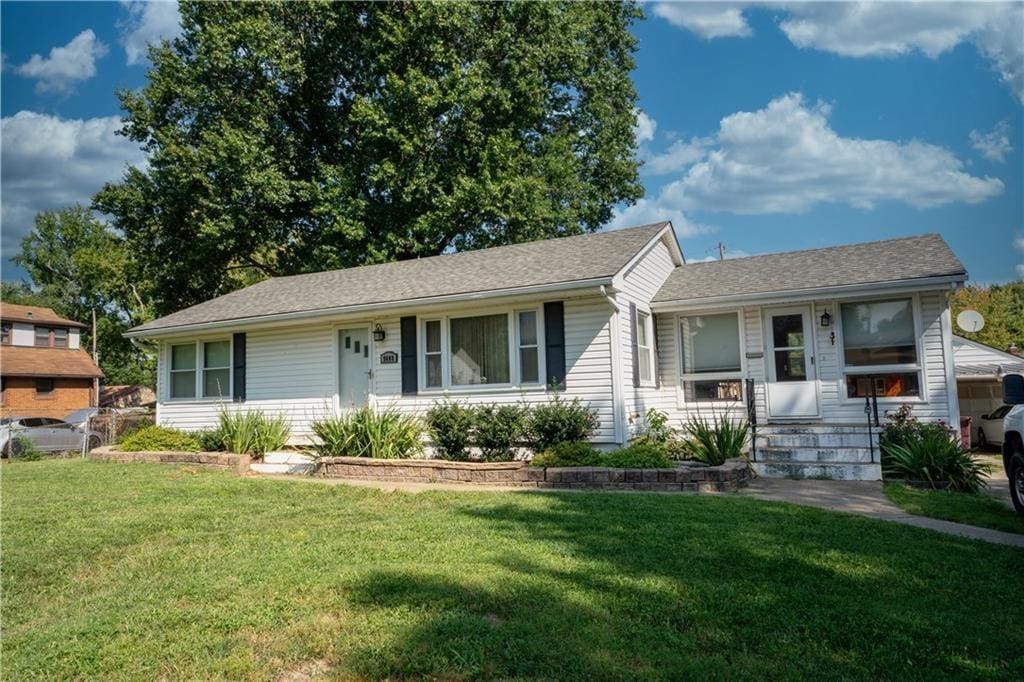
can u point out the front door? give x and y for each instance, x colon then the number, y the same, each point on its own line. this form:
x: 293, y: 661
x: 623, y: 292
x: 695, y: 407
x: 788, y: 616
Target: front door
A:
x: 353, y: 367
x: 792, y: 388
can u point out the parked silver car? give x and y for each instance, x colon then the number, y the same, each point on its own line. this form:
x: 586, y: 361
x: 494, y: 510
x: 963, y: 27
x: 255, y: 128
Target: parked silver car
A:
x: 46, y: 435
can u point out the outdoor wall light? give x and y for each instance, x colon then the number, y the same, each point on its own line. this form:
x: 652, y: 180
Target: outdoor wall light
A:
x: 826, y: 319
x: 378, y: 333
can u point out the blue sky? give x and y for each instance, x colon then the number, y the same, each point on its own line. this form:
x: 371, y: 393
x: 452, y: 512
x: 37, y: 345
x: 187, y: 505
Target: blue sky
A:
x: 767, y: 128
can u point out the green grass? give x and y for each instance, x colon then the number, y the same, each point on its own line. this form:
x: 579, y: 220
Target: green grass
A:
x: 155, y: 571
x: 975, y: 509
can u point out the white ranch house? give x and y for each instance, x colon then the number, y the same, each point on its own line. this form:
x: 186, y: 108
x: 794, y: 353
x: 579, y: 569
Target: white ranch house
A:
x: 802, y: 341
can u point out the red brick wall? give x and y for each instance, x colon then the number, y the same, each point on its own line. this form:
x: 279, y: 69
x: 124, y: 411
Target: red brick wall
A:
x: 21, y: 400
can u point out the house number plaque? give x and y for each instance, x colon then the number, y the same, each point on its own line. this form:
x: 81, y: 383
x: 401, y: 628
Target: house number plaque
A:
x: 389, y: 358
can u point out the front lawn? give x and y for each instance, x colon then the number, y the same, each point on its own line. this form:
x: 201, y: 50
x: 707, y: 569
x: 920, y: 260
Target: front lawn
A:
x: 976, y: 509
x: 155, y: 571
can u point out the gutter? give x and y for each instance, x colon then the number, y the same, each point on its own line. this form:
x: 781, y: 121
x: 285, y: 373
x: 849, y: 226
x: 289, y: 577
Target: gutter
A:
x: 364, y: 307
x: 786, y: 295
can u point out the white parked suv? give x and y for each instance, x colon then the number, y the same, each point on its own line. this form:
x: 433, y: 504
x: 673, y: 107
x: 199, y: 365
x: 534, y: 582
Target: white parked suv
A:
x: 1013, y: 438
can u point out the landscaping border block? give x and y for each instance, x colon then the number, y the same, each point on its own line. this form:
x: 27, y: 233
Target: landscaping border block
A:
x: 215, y: 460
x: 732, y: 475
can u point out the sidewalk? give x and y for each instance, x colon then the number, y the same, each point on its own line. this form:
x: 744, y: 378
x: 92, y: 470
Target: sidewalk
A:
x: 865, y: 498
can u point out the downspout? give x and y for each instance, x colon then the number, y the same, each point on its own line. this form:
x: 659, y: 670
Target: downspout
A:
x: 618, y: 401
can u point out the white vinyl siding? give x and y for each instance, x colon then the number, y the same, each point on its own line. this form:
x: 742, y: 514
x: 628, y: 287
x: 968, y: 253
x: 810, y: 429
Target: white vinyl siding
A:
x: 291, y: 370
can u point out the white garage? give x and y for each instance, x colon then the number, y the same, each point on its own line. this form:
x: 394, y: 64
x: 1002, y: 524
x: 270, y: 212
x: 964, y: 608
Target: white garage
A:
x: 979, y: 374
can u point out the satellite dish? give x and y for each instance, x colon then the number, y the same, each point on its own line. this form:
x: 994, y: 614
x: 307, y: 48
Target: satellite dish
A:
x: 970, y: 321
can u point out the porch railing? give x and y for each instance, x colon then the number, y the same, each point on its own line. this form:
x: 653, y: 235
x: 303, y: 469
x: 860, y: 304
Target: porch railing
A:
x: 752, y: 417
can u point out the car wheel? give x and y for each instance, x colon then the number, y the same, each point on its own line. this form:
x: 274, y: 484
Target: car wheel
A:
x: 1016, y: 474
x: 94, y: 442
x: 14, y: 448
x: 982, y: 441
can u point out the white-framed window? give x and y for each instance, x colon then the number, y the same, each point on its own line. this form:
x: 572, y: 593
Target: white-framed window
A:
x: 216, y: 369
x: 200, y: 369
x: 433, y: 362
x: 711, y: 357
x: 183, y: 371
x: 494, y: 348
x: 880, y: 349
x: 60, y: 337
x: 644, y: 347
x: 529, y: 346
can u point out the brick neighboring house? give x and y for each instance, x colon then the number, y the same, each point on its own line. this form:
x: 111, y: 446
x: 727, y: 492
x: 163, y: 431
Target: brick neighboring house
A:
x: 44, y: 370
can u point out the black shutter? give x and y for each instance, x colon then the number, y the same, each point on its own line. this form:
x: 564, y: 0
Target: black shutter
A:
x: 554, y: 343
x: 238, y: 353
x: 636, y: 348
x: 654, y: 346
x: 410, y: 375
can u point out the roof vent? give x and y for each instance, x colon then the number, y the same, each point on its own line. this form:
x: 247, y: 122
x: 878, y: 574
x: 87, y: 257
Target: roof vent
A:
x: 28, y: 313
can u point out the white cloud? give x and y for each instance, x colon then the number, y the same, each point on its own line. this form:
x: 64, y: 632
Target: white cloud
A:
x: 786, y: 158
x: 647, y: 211
x: 50, y: 162
x: 679, y: 155
x: 645, y: 127
x: 714, y: 256
x: 147, y: 23
x: 877, y: 29
x: 707, y: 19
x: 66, y: 65
x: 995, y: 145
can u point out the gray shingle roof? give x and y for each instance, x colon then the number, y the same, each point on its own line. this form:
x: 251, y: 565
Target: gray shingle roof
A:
x: 552, y: 261
x: 884, y: 261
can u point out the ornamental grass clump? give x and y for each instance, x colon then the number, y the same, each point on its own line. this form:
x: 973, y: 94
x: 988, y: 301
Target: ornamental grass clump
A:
x: 364, y: 432
x: 252, y: 432
x: 713, y: 442
x: 937, y: 460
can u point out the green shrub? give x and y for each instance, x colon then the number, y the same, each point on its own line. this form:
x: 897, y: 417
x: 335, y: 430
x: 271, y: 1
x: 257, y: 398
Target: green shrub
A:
x: 23, y: 449
x: 499, y: 430
x: 715, y: 441
x: 936, y: 458
x: 568, y: 455
x: 384, y: 434
x: 657, y: 433
x: 157, y: 439
x: 209, y: 440
x: 638, y: 456
x: 451, y: 428
x: 252, y: 432
x: 560, y: 421
x: 902, y: 429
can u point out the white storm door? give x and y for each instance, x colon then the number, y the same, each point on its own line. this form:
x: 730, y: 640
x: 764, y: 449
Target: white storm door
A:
x: 792, y: 387
x: 353, y: 367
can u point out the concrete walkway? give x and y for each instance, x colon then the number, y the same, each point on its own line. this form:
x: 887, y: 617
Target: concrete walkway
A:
x: 865, y: 498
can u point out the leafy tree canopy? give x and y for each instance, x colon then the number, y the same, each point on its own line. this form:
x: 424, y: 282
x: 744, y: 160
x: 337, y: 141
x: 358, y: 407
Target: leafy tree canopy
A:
x: 1002, y: 306
x: 293, y: 137
x: 79, y: 265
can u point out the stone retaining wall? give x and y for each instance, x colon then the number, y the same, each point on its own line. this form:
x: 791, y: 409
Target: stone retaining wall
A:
x: 216, y: 460
x: 732, y: 475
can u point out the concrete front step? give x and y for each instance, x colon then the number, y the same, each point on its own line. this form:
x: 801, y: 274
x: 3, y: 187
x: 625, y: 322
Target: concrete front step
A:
x: 844, y: 455
x: 839, y: 471
x: 284, y: 462
x: 813, y: 428
x: 815, y: 440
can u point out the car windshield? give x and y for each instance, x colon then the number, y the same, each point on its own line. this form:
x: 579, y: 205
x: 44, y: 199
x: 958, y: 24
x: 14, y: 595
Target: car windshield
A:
x: 1000, y: 413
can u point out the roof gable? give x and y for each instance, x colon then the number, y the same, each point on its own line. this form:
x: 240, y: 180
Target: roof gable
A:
x: 880, y: 262
x: 12, y: 312
x: 497, y: 270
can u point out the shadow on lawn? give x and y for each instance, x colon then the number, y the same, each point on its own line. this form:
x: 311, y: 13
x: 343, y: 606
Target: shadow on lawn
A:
x: 652, y: 586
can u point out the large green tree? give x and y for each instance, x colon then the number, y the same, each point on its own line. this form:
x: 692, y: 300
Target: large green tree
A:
x: 292, y: 137
x: 1002, y: 306
x: 78, y: 266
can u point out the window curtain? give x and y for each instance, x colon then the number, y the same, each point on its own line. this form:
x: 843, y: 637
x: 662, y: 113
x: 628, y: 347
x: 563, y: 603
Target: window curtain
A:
x: 711, y: 343
x: 879, y: 332
x: 479, y: 350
